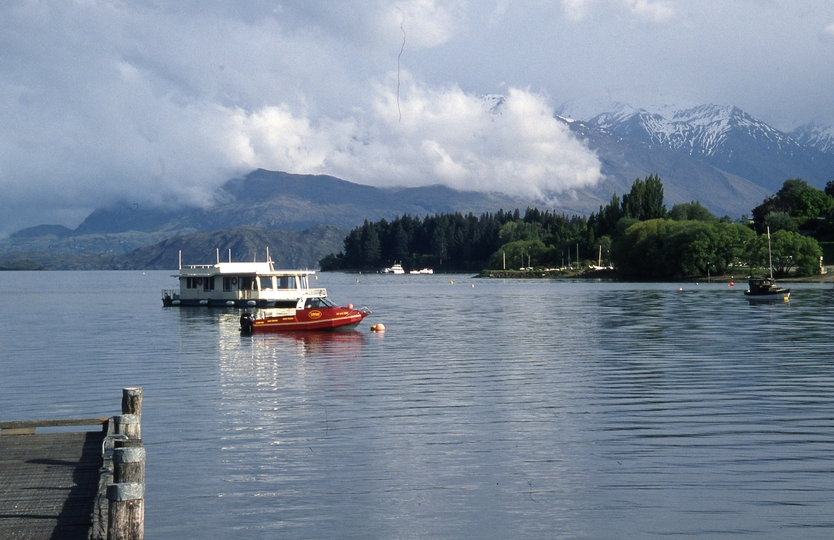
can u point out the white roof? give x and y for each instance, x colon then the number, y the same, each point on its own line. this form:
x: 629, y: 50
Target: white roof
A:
x: 261, y: 268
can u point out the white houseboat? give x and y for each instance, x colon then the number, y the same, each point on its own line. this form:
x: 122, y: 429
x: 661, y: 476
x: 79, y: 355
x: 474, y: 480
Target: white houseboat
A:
x: 241, y: 284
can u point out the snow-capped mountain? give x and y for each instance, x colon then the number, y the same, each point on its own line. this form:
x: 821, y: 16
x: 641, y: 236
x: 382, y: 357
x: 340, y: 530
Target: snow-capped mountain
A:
x: 701, y: 131
x: 726, y: 138
x: 813, y: 134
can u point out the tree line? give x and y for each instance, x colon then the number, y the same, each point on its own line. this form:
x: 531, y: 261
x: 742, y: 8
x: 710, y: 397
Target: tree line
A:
x: 636, y: 234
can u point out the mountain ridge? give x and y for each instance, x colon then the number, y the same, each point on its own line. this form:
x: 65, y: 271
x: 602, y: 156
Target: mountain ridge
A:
x: 727, y: 138
x: 717, y: 155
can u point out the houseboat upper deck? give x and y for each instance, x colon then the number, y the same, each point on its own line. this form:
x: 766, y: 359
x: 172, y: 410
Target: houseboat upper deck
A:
x: 241, y: 284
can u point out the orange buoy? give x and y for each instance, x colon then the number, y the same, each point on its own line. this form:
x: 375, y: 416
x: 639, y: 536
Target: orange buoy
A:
x: 378, y: 328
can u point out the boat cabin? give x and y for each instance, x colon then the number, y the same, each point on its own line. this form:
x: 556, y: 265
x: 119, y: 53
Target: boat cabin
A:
x: 241, y: 284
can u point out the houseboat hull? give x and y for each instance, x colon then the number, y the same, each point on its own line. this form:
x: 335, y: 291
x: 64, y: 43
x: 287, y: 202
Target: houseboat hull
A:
x: 169, y: 300
x: 328, y: 318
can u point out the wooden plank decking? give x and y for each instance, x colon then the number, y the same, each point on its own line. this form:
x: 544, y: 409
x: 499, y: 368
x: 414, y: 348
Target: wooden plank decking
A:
x: 48, y: 484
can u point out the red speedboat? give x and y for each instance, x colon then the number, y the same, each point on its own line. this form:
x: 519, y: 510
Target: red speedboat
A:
x: 312, y: 314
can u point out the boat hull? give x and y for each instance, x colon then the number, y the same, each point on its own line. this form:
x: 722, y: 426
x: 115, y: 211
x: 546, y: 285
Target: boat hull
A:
x: 331, y: 318
x: 776, y: 296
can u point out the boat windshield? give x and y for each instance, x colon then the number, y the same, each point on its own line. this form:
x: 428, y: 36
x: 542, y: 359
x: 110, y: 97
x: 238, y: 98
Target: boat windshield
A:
x: 318, y: 303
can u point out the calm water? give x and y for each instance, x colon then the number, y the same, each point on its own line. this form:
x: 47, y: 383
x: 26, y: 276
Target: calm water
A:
x: 509, y: 409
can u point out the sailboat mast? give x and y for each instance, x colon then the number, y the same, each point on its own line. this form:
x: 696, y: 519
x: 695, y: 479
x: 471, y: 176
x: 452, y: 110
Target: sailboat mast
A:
x: 769, y: 255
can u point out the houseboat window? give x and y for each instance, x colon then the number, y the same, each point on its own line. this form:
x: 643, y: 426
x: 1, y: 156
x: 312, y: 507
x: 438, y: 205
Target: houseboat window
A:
x: 247, y: 284
x: 198, y: 282
x: 303, y: 282
x: 266, y: 283
x: 286, y: 282
x: 208, y: 284
x: 227, y: 284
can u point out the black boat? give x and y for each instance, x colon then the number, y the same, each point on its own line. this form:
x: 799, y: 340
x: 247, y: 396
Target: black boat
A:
x: 765, y: 288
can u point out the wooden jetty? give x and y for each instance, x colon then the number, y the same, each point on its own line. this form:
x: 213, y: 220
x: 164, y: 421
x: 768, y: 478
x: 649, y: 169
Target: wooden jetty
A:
x: 74, y: 484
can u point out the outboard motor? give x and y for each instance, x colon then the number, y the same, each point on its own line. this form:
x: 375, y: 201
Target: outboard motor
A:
x: 247, y: 324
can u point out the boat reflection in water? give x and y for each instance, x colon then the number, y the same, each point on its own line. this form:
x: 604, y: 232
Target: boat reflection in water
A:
x: 329, y: 344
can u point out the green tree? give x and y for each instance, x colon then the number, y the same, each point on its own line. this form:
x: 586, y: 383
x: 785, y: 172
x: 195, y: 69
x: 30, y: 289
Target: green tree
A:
x: 401, y: 251
x: 781, y: 221
x: 691, y: 211
x: 371, y: 247
x: 521, y: 253
x: 789, y: 250
x: 796, y: 198
x: 439, y: 243
x: 645, y: 200
x: 519, y: 230
x: 660, y: 248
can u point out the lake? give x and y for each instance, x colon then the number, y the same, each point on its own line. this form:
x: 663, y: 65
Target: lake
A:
x: 488, y: 409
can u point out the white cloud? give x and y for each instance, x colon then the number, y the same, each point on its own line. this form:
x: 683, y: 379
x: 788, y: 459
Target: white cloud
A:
x: 427, y: 23
x: 650, y: 11
x: 576, y: 9
x: 445, y: 136
x: 829, y: 31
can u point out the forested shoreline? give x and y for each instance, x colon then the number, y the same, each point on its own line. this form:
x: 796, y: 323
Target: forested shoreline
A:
x: 636, y: 235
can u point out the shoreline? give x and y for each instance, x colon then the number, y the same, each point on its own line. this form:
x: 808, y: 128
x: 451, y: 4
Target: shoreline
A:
x: 611, y: 275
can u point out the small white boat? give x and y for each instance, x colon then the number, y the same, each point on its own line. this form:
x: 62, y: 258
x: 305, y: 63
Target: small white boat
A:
x: 395, y: 269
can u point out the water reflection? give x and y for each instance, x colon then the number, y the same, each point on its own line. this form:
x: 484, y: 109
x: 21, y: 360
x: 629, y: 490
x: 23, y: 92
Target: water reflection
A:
x: 324, y: 343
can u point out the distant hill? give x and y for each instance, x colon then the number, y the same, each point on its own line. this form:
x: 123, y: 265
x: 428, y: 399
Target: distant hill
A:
x: 278, y: 200
x: 288, y: 249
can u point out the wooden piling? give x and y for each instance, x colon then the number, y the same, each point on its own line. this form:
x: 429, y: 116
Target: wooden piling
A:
x: 126, y: 518
x: 129, y: 425
x: 129, y: 462
x: 132, y: 401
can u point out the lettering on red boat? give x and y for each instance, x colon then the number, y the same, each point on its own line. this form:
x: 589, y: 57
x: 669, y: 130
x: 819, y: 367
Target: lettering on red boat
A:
x: 315, y: 314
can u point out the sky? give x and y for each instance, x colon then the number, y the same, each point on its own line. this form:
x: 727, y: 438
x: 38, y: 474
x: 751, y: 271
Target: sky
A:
x: 157, y: 102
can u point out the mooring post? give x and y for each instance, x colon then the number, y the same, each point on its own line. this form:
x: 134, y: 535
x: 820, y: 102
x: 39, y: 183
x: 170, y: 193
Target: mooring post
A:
x: 126, y: 518
x: 129, y: 425
x: 126, y: 495
x: 132, y: 401
x: 129, y: 461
